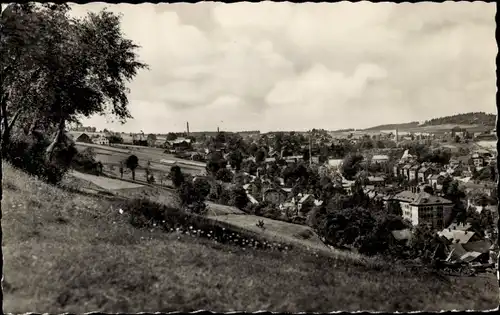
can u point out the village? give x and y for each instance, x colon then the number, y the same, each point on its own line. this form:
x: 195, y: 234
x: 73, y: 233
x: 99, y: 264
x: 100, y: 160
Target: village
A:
x: 434, y: 178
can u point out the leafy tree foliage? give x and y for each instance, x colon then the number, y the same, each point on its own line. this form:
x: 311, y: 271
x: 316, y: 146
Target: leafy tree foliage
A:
x: 171, y: 136
x: 54, y: 69
x: 132, y: 162
x: 191, y: 198
x: 260, y: 156
x: 176, y: 176
x: 239, y: 198
x: 351, y: 165
x: 202, y: 186
x: 215, y: 163
x: 235, y: 159
x: 224, y: 175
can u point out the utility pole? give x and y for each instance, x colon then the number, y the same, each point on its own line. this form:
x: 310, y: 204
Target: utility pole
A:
x: 310, y: 150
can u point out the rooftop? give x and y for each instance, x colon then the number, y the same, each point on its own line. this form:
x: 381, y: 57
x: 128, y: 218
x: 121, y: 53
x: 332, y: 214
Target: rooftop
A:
x: 380, y: 157
x: 420, y: 198
x: 456, y: 236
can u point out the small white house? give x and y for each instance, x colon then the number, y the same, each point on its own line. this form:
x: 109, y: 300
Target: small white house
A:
x: 102, y: 140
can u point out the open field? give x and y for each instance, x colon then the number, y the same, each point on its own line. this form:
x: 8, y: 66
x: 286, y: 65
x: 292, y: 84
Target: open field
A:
x: 111, y: 155
x: 104, y: 182
x: 77, y: 253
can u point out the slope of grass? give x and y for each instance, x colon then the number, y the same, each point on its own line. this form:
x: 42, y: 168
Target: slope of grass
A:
x: 66, y: 252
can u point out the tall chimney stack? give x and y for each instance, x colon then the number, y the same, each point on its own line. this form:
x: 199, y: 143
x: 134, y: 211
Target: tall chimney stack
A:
x: 217, y: 129
x: 187, y: 127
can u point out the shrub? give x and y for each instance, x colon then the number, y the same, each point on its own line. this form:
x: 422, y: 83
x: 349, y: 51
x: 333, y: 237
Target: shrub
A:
x: 132, y: 162
x: 202, y: 186
x: 191, y: 198
x: 224, y: 175
x: 239, y: 198
x: 28, y: 153
x: 85, y: 161
x: 176, y: 176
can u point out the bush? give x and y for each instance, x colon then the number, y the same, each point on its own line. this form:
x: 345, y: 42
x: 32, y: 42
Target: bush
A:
x: 239, y: 198
x: 176, y: 176
x: 28, y: 153
x: 192, y: 198
x: 224, y: 175
x: 202, y: 186
x: 85, y: 162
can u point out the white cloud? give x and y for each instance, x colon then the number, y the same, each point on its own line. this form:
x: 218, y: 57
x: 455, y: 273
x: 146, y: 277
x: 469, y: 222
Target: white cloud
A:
x: 298, y: 66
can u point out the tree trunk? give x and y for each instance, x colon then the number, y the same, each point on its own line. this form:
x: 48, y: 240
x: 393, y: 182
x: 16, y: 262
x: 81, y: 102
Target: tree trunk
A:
x: 133, y: 174
x: 1, y: 197
x: 1, y: 191
x: 57, y: 139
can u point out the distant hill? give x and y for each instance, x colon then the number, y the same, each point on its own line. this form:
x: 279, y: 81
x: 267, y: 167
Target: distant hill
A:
x: 467, y: 119
x: 479, y: 118
x: 394, y: 126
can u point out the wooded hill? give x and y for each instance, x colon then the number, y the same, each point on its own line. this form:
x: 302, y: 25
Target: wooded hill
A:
x: 472, y: 118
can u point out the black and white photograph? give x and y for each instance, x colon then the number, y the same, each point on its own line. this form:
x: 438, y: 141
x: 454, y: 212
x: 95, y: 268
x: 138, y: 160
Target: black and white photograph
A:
x: 248, y: 156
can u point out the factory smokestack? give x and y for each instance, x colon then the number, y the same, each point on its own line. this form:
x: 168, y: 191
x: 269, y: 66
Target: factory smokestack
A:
x: 217, y: 129
x: 187, y: 128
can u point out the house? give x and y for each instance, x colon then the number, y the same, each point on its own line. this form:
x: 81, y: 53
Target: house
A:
x: 334, y: 164
x: 376, y: 180
x: 139, y: 139
x: 288, y: 208
x: 294, y: 158
x: 398, y: 170
x: 270, y: 160
x: 423, y: 208
x: 80, y: 137
x: 436, y: 181
x: 478, y: 160
x: 102, y: 140
x: 179, y: 144
x: 406, y: 171
x: 487, y: 188
x: 413, y: 172
x: 305, y: 203
x: 454, y: 236
x: 423, y: 174
x: 380, y: 159
x: 274, y: 196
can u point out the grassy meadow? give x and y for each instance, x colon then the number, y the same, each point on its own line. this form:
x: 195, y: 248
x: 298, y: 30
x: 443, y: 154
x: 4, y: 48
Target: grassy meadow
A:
x: 69, y: 252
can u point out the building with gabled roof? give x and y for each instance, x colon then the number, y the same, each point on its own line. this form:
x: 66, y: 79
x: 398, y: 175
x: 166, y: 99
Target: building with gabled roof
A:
x: 423, y: 208
x: 380, y: 159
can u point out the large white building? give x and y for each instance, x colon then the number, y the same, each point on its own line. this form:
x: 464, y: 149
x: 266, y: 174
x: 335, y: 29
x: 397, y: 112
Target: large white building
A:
x: 423, y: 208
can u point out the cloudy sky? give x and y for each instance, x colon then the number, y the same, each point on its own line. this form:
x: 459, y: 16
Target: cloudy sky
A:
x: 284, y: 66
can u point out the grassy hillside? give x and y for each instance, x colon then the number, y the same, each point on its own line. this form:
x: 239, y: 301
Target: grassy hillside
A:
x: 474, y: 120
x: 394, y: 126
x: 67, y: 252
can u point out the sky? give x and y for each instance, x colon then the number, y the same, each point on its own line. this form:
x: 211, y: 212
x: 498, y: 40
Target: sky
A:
x: 288, y: 66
